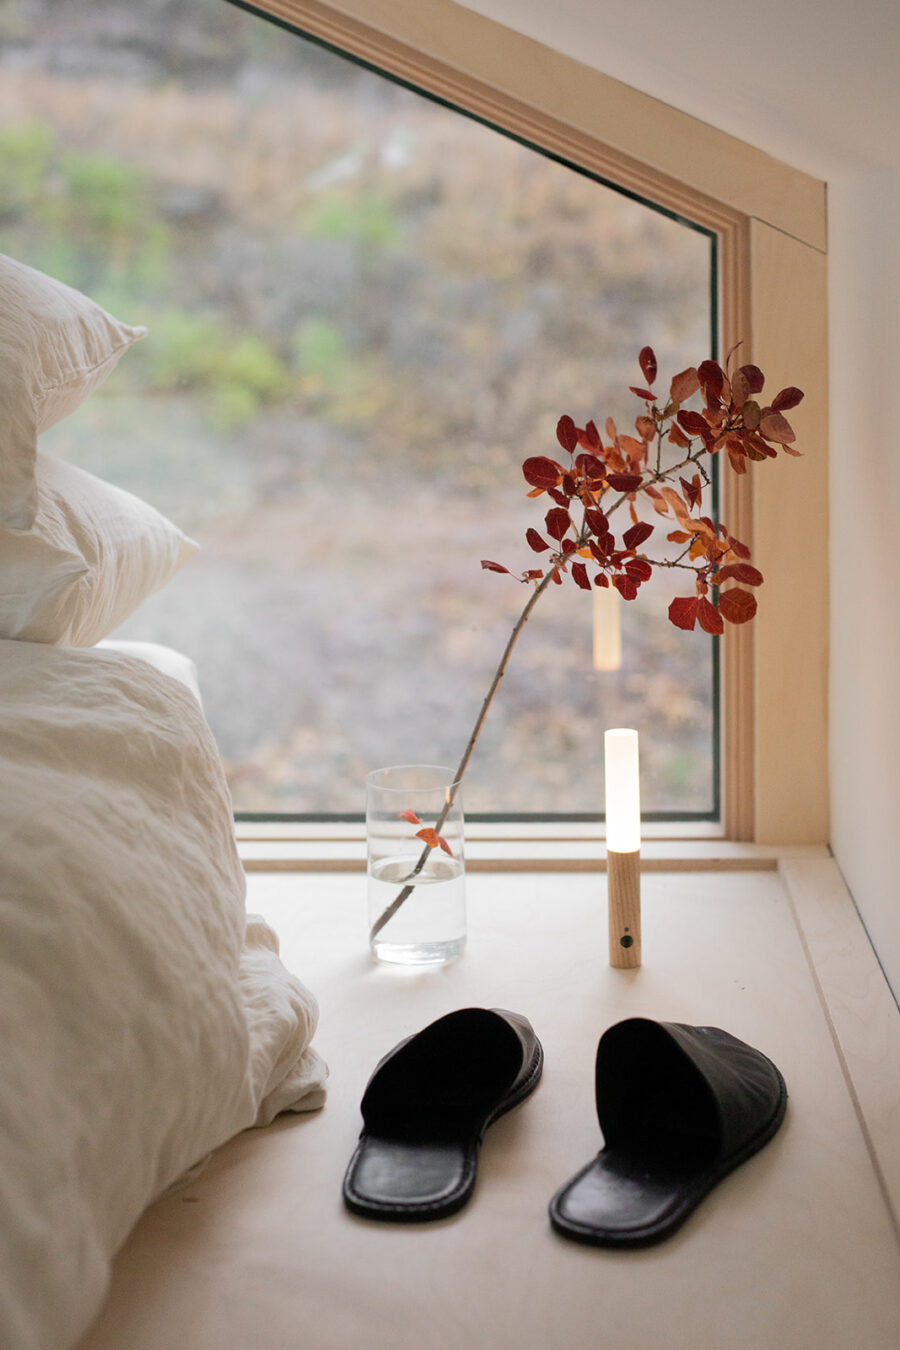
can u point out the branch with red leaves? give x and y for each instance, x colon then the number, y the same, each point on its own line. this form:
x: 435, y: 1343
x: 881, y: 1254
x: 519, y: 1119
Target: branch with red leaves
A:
x: 601, y: 475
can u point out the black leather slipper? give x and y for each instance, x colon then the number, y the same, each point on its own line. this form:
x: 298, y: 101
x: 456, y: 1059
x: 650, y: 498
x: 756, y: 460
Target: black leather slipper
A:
x: 427, y: 1106
x: 680, y: 1107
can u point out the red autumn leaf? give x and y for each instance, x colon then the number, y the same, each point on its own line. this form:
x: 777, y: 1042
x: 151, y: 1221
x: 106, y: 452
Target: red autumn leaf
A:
x: 742, y: 571
x: 568, y: 546
x: 642, y: 393
x: 712, y: 378
x: 580, y: 576
x: 646, y: 429
x: 789, y: 450
x: 559, y: 497
x: 647, y: 359
x: 589, y: 466
x: 677, y: 437
x: 410, y: 816
x: 433, y: 839
x: 750, y: 414
x: 555, y: 577
x: 535, y: 540
x: 788, y: 398
x: 557, y: 521
x: 693, y: 491
x: 634, y: 449
x: 709, y: 618
x: 601, y: 549
x: 679, y: 507
x: 626, y: 586
x: 597, y: 522
x: 602, y: 580
x: 737, y: 547
x: 541, y: 472
x: 634, y: 537
x: 737, y: 460
x: 776, y: 428
x: 740, y: 389
x: 533, y: 574
x: 568, y: 485
x: 624, y: 482
x: 737, y: 606
x: 685, y: 384
x: 694, y: 423
x: 493, y: 567
x: 590, y: 438
x: 683, y: 612
x: 639, y: 569
x: 678, y: 537
x: 567, y: 433
x: 754, y: 377
x: 756, y: 447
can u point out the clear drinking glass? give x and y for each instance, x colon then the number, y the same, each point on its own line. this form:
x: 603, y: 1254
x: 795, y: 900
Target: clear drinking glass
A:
x: 416, y: 888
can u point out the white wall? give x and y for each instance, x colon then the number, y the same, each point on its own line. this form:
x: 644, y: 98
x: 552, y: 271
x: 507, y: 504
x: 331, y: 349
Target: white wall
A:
x: 864, y: 325
x: 814, y: 84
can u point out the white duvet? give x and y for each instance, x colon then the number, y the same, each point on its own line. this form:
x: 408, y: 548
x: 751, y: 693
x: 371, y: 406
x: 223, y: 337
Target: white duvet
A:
x: 143, y: 1019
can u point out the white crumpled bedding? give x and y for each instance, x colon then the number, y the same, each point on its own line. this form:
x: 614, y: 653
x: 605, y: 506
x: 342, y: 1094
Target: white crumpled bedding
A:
x: 144, y: 1020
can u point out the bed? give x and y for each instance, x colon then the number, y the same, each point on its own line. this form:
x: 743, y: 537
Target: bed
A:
x: 145, y: 1016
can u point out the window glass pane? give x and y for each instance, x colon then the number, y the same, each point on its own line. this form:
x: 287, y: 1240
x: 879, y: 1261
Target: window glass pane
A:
x: 365, y: 311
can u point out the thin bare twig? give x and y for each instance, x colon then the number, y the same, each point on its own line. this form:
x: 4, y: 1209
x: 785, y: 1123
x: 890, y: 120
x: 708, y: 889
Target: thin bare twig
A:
x: 404, y: 894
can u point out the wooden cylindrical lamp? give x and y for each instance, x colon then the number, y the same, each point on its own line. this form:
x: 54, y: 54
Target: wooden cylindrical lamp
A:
x: 623, y: 846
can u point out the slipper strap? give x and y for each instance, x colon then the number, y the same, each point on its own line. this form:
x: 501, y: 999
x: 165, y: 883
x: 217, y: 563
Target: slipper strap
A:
x: 447, y: 1079
x: 699, y: 1088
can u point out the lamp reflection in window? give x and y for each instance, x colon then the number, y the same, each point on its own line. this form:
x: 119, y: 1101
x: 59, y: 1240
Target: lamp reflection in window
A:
x: 607, y: 629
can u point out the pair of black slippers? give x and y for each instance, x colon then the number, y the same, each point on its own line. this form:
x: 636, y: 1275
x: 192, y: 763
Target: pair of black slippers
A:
x: 679, y: 1106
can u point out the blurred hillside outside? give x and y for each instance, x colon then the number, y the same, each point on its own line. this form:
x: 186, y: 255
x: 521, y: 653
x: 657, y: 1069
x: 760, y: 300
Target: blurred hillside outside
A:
x: 365, y: 311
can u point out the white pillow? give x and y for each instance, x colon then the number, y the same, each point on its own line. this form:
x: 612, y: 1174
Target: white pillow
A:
x: 143, y: 1019
x: 56, y: 346
x: 166, y: 659
x: 94, y: 553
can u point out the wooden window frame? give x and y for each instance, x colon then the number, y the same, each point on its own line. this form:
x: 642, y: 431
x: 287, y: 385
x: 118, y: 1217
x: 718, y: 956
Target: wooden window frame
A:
x: 770, y: 223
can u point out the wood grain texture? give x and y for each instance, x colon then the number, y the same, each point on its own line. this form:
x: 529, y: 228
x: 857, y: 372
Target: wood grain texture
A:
x: 790, y: 513
x: 623, y: 872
